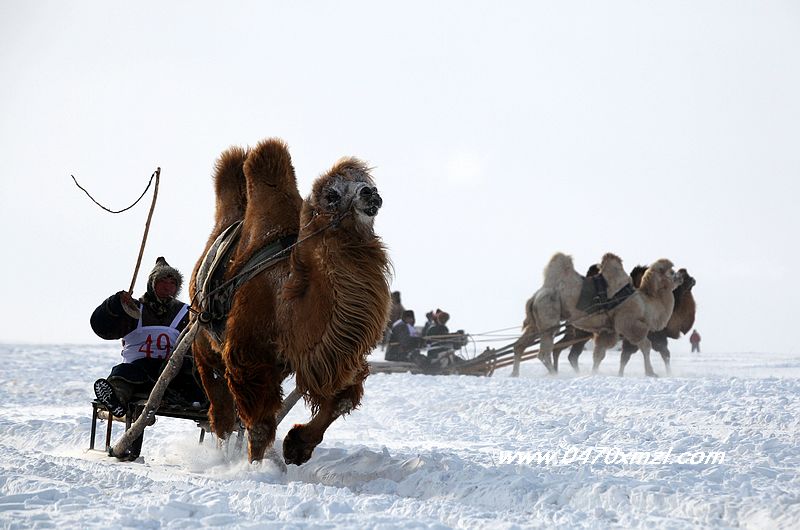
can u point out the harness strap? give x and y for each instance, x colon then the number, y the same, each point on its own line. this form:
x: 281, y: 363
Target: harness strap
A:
x: 619, y: 297
x: 216, y: 295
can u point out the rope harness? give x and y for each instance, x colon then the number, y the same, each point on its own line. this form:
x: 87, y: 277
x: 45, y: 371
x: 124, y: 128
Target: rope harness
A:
x: 215, y: 295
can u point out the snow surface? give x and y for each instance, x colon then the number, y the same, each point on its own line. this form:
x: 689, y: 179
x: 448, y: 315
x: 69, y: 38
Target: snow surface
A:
x: 423, y: 452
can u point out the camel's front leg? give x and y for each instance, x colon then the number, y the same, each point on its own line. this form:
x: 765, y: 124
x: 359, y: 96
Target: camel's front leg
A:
x: 256, y: 389
x: 597, y: 356
x: 302, y: 439
x: 221, y: 412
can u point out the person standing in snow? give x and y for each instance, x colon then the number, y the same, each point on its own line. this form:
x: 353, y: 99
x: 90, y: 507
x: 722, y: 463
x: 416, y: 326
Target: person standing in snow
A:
x: 694, y: 339
x: 149, y: 329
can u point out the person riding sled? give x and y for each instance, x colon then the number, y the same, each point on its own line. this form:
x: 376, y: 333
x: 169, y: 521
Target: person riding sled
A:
x: 149, y: 329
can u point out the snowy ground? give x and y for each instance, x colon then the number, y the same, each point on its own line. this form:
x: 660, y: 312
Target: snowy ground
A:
x: 426, y: 452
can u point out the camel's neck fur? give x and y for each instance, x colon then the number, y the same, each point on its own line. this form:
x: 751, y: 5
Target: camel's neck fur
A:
x: 683, y: 314
x: 656, y: 291
x: 338, y: 289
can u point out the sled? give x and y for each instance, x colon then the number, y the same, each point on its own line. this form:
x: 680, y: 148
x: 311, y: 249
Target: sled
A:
x: 135, y: 408
x: 483, y: 364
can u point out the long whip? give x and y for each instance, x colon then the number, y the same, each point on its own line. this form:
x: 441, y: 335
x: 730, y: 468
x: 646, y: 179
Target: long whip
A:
x: 157, y: 175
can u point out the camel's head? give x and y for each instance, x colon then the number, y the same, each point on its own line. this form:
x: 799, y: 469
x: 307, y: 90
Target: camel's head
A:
x: 659, y: 277
x: 686, y: 281
x: 347, y: 188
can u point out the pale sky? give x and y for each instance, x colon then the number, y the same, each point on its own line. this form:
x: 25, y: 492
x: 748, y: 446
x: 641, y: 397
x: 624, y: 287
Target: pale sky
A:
x: 500, y: 133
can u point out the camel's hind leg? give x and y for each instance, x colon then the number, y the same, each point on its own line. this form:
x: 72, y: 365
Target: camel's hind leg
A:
x: 545, y: 352
x: 527, y: 339
x: 221, y: 413
x: 644, y: 345
x: 660, y: 344
x: 574, y: 353
x: 665, y: 355
x: 628, y: 350
x: 602, y: 342
x: 302, y: 439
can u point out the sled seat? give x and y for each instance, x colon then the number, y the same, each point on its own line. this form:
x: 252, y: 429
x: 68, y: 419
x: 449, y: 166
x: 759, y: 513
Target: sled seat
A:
x: 135, y: 409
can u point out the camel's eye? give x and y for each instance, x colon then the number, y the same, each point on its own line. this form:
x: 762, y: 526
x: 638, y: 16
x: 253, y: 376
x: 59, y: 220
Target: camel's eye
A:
x: 332, y: 196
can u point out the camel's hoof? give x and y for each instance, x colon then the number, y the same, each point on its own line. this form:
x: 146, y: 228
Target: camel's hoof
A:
x: 296, y: 450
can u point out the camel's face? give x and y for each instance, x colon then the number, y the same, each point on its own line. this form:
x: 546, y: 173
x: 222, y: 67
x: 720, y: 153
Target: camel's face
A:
x: 686, y: 280
x: 349, y: 190
x: 342, y: 196
x: 669, y: 278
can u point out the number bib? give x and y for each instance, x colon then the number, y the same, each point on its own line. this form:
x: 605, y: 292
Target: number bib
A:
x: 155, y: 342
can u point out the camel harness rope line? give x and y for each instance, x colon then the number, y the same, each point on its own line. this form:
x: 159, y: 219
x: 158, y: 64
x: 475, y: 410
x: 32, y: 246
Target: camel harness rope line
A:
x: 496, y: 358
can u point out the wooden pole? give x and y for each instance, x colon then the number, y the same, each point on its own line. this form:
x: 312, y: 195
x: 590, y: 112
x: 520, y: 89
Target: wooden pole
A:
x: 146, y: 230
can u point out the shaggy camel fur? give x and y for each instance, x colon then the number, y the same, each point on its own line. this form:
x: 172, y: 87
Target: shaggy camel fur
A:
x: 556, y: 301
x: 648, y: 309
x: 681, y: 320
x: 317, y: 314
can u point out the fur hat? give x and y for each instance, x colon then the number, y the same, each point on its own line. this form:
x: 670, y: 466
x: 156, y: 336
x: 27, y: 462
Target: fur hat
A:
x: 162, y: 270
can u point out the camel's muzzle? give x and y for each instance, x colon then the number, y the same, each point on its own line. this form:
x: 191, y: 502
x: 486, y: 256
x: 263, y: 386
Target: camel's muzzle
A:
x: 369, y: 200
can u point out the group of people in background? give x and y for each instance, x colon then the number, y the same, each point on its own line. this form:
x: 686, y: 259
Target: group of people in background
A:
x: 404, y: 341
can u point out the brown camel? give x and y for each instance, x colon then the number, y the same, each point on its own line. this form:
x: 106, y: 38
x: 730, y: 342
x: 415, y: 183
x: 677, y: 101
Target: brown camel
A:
x: 557, y: 300
x: 317, y: 314
x: 681, y: 320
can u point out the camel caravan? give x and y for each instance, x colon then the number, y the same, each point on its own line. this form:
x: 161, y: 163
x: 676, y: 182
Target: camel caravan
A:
x: 644, y: 309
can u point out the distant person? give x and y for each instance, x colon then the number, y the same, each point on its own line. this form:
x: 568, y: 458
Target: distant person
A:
x: 149, y: 329
x: 437, y: 334
x: 430, y: 320
x: 442, y: 344
x: 695, y: 340
x: 395, y: 314
x: 404, y: 342
x: 396, y: 309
